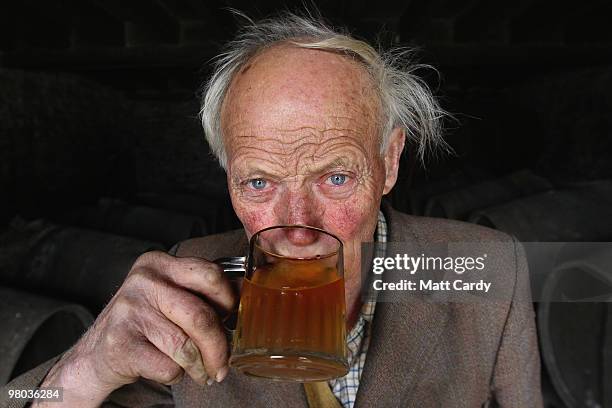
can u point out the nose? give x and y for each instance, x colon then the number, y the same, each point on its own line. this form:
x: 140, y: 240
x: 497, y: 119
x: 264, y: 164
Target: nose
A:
x: 301, y: 236
x: 299, y: 206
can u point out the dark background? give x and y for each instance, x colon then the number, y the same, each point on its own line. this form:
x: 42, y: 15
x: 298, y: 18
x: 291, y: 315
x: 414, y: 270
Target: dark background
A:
x: 99, y: 97
x: 99, y: 128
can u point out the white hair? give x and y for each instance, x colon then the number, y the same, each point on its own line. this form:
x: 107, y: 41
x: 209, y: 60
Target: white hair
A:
x: 406, y: 100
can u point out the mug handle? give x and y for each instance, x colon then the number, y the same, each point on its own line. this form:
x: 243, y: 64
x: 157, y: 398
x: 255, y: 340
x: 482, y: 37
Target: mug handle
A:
x: 234, y: 268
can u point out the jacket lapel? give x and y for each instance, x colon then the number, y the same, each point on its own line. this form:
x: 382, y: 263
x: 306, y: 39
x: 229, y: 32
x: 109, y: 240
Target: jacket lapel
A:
x: 405, y: 332
x: 403, y: 338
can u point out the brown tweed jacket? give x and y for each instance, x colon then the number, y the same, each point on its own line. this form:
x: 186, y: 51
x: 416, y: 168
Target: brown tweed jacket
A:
x: 422, y: 354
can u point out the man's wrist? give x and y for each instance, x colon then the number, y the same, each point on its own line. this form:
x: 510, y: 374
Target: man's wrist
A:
x: 78, y: 382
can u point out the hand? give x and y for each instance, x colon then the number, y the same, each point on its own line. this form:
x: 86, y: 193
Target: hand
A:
x: 162, y: 322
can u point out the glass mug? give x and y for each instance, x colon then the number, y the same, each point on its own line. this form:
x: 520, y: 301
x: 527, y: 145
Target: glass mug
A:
x: 291, y: 320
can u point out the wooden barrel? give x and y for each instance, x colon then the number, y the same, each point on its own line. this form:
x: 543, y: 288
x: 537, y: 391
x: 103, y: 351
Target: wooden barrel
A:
x: 412, y: 190
x: 458, y: 204
x: 412, y: 199
x: 35, y: 329
x: 575, y: 214
x: 76, y: 264
x: 148, y: 223
x: 575, y: 329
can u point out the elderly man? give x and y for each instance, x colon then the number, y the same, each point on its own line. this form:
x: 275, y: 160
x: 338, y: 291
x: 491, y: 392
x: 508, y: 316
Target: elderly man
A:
x: 310, y: 125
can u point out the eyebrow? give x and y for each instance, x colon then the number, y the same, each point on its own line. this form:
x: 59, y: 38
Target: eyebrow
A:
x: 337, y: 162
x: 254, y: 173
x: 257, y: 171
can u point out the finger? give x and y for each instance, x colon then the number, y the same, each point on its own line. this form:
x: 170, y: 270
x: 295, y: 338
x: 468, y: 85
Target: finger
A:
x: 206, y: 278
x: 201, y: 323
x: 198, y: 275
x: 154, y: 365
x: 176, y: 344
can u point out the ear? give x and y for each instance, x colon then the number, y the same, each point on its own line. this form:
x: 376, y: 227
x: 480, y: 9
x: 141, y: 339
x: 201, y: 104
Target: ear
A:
x: 393, y: 153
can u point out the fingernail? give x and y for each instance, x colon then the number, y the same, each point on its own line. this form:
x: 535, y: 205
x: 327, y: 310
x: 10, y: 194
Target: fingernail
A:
x: 209, y: 381
x: 222, y: 373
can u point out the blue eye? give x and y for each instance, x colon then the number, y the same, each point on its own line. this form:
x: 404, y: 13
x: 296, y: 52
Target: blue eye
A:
x: 258, y: 184
x: 337, y: 179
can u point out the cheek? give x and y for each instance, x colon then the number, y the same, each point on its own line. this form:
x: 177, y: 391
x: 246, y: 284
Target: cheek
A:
x: 355, y: 218
x: 348, y: 220
x: 253, y: 217
x: 353, y: 224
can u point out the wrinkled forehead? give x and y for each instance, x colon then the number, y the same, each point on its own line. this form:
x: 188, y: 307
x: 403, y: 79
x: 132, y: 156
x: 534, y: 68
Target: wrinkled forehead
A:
x: 288, y: 93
